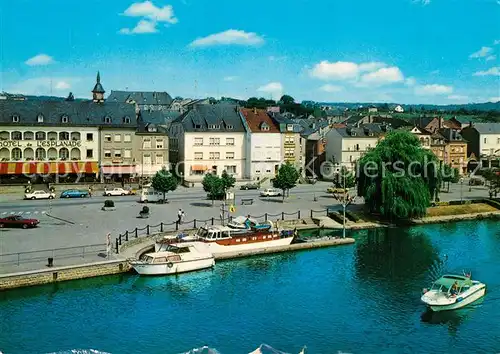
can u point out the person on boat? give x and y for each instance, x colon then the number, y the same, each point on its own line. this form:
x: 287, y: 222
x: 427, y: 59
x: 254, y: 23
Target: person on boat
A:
x: 248, y: 222
x: 454, y: 289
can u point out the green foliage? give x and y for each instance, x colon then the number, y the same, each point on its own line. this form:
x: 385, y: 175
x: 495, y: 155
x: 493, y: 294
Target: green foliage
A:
x: 349, y: 180
x: 286, y: 178
x: 214, y: 186
x: 398, y: 178
x: 164, y: 182
x: 228, y: 181
x: 493, y: 179
x: 450, y: 175
x: 287, y: 99
x: 109, y: 204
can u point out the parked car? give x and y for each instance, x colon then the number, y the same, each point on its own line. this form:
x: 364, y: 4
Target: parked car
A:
x: 250, y: 186
x: 18, y: 221
x: 115, y: 192
x: 74, y: 193
x: 39, y: 195
x: 270, y: 192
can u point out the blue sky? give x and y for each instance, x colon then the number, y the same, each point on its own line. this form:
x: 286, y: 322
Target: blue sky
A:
x: 405, y: 51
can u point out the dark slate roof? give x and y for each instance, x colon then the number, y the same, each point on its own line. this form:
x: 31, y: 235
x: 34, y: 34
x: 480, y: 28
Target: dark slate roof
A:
x: 487, y: 128
x: 98, y: 87
x: 284, y: 121
x: 363, y: 131
x: 79, y: 113
x: 421, y: 122
x: 226, y: 118
x: 451, y: 134
x: 141, y: 97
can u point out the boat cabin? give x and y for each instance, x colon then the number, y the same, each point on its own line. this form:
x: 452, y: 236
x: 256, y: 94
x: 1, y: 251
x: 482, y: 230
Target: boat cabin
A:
x: 214, y: 233
x: 445, y: 284
x: 167, y: 253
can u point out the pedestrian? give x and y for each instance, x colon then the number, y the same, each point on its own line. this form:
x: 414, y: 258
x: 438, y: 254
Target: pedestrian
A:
x: 182, y: 217
x: 179, y: 216
x: 90, y: 191
x: 108, y: 244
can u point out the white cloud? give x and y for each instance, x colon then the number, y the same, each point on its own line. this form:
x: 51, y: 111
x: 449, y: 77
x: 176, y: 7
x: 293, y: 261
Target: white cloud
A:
x: 494, y: 99
x: 273, y: 58
x: 339, y: 70
x: 411, y: 81
x: 148, y: 10
x: 229, y: 37
x: 39, y: 60
x: 331, y: 88
x: 495, y: 71
x: 62, y: 85
x: 230, y: 78
x: 491, y: 57
x: 496, y: 42
x: 432, y: 90
x: 372, y: 66
x: 44, y: 86
x: 458, y: 98
x: 383, y: 76
x: 143, y: 26
x: 273, y: 88
x: 481, y: 53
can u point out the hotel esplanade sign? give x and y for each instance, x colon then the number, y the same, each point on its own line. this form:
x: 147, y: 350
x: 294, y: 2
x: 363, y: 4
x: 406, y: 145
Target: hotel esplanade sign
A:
x: 39, y: 143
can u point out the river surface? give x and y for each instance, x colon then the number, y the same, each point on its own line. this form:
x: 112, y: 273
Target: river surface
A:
x: 362, y: 298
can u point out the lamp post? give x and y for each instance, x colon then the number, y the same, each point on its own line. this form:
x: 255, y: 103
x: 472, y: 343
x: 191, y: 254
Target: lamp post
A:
x: 345, y: 200
x: 461, y: 190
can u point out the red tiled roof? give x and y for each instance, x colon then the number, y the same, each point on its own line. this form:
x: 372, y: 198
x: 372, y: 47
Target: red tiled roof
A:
x: 255, y: 118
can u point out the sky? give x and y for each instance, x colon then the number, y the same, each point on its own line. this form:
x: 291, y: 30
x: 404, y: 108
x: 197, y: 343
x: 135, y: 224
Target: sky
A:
x: 398, y: 51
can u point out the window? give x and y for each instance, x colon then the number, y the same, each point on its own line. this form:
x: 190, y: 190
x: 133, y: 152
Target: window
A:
x: 146, y: 143
x: 127, y: 138
x: 63, y: 136
x: 107, y: 138
x: 159, y: 159
x: 485, y: 140
x: 230, y: 169
x: 90, y: 137
x: 198, y: 141
x: 39, y: 118
x: 198, y: 156
x: 230, y: 155
x: 17, y: 154
x: 107, y: 153
x: 118, y: 154
x: 126, y: 120
x: 64, y: 119
x: 28, y: 135
x: 40, y: 154
x: 498, y: 141
x: 159, y: 143
x: 127, y: 154
x: 15, y: 118
x: 90, y: 153
x: 146, y: 159
x: 289, y: 127
x: 118, y: 138
x: 64, y: 154
x: 214, y: 155
x: 214, y: 141
x: 230, y: 141
x: 268, y: 171
x: 40, y: 135
x: 107, y: 119
x: 16, y: 136
x: 213, y: 126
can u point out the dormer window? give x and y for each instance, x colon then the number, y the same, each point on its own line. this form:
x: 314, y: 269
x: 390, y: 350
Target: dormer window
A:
x: 15, y: 118
x: 126, y: 120
x: 64, y: 119
x: 39, y: 118
x: 107, y: 119
x: 229, y: 127
x: 289, y: 127
x: 264, y: 126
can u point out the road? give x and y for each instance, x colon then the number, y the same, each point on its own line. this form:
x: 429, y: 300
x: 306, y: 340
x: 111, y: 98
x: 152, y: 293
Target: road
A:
x: 77, y: 222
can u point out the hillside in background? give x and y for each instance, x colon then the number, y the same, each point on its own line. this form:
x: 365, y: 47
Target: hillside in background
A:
x: 485, y: 107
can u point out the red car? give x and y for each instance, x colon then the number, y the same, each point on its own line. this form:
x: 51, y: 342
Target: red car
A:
x: 18, y: 221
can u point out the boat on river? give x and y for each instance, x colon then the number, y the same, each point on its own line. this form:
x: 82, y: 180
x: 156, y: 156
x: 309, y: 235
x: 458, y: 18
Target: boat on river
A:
x: 219, y: 240
x: 451, y: 292
x: 174, y: 259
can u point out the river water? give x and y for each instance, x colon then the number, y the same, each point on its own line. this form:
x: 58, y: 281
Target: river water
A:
x: 362, y: 298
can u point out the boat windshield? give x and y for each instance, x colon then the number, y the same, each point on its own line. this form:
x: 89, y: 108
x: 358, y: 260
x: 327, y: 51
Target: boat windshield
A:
x: 439, y: 287
x: 147, y: 259
x: 176, y: 249
x: 202, y: 232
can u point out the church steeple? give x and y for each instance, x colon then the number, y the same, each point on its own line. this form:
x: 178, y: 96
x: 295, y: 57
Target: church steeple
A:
x: 98, y: 91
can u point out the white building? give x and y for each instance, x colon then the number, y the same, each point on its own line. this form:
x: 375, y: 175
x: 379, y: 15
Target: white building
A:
x: 483, y: 140
x: 208, y: 139
x: 399, y: 109
x: 263, y: 144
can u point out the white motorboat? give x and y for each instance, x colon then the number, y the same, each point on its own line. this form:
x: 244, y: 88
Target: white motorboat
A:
x: 451, y: 292
x: 174, y: 259
x: 240, y: 223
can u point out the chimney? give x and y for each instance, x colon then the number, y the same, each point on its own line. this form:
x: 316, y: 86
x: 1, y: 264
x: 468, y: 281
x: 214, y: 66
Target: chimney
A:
x: 451, y: 134
x: 440, y: 122
x: 255, y: 110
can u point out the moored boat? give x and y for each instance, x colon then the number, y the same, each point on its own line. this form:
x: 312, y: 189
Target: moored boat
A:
x: 222, y: 239
x: 174, y: 259
x: 451, y: 292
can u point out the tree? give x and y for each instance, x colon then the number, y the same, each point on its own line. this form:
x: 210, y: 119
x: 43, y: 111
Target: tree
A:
x: 286, y: 178
x: 350, y: 179
x: 214, y: 186
x: 450, y: 175
x: 228, y: 181
x: 398, y: 178
x: 164, y: 182
x: 287, y: 99
x: 493, y: 179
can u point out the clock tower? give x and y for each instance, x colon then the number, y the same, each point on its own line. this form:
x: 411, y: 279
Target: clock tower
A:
x: 98, y: 91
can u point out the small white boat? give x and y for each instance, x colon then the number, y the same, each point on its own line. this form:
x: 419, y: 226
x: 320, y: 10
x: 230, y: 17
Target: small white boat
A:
x: 239, y: 223
x: 451, y: 292
x: 174, y: 259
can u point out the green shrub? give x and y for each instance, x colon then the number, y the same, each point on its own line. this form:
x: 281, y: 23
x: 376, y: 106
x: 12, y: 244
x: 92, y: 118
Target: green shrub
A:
x: 145, y: 210
x: 351, y: 216
x: 109, y: 204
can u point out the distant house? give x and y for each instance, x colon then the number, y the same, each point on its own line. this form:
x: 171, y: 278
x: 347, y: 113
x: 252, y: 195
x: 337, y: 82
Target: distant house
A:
x: 372, y: 109
x: 185, y: 104
x: 398, y: 109
x: 461, y: 122
x: 145, y: 101
x: 483, y: 140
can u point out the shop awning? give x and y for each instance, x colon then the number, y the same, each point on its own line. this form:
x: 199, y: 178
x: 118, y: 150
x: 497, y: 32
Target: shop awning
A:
x: 28, y: 167
x: 118, y: 170
x: 199, y: 168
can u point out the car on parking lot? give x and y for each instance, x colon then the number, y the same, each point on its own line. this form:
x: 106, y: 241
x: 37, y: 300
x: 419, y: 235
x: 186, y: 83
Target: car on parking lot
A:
x: 18, y: 221
x: 116, y: 192
x: 270, y: 192
x: 74, y: 193
x: 39, y: 195
x: 250, y: 186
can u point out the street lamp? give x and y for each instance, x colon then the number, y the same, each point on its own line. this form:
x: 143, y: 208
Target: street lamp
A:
x: 345, y: 200
x: 461, y: 190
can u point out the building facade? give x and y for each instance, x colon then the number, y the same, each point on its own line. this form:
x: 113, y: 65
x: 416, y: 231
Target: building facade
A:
x: 263, y: 144
x: 483, y: 142
x: 293, y: 146
x: 207, y: 139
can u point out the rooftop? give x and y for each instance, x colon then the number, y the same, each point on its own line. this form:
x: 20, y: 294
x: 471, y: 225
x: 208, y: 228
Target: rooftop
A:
x: 487, y: 128
x: 212, y: 118
x: 259, y: 121
x: 141, y: 97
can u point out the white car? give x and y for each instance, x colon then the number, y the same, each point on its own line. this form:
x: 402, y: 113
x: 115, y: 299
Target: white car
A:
x: 115, y: 192
x: 39, y: 195
x: 270, y: 192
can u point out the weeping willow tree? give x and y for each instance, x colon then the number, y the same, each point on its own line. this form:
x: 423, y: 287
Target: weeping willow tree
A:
x: 399, y: 178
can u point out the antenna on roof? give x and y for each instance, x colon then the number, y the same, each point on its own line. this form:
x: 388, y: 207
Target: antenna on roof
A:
x: 195, y: 89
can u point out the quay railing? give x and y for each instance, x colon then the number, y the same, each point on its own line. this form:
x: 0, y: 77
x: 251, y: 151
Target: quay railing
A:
x: 149, y: 230
x: 50, y: 255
